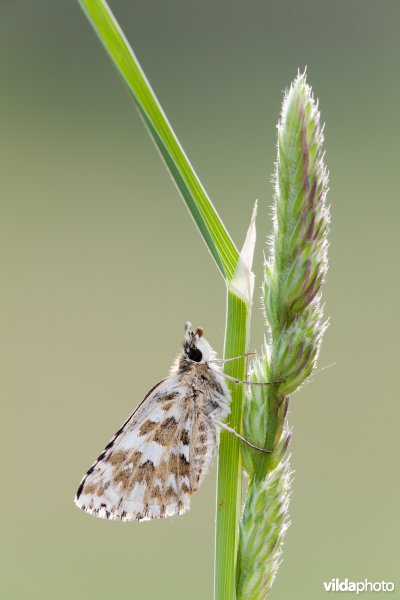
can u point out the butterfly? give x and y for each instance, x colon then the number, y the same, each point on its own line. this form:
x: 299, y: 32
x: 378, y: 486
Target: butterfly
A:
x: 161, y: 454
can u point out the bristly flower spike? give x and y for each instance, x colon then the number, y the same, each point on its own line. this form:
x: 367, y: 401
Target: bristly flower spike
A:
x: 291, y: 297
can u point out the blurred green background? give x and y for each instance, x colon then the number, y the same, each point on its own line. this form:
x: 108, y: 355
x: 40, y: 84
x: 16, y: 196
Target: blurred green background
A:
x: 101, y: 266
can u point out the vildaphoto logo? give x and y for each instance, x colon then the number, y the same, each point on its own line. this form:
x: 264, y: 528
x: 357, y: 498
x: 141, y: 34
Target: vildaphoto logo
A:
x: 346, y: 585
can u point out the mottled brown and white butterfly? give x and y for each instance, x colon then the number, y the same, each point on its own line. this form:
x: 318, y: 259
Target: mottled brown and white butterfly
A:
x: 161, y: 454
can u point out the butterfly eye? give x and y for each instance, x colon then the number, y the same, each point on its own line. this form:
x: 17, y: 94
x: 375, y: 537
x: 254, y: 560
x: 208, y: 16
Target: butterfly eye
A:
x: 195, y: 354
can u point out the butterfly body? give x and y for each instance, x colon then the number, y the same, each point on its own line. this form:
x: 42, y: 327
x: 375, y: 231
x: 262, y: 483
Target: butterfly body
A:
x: 161, y: 454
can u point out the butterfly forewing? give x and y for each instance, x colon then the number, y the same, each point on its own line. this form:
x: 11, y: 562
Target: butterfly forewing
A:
x: 162, y: 453
x: 154, y: 462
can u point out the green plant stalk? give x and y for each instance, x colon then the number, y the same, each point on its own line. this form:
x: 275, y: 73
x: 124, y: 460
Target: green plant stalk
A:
x: 213, y: 231
x: 229, y: 497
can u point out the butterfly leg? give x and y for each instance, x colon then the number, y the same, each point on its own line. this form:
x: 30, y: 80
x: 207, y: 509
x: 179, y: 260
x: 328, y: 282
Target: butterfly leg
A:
x: 240, y: 437
x: 225, y: 360
x: 250, y: 382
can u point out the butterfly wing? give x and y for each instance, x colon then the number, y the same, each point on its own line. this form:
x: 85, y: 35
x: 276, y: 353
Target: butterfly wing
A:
x: 154, y: 462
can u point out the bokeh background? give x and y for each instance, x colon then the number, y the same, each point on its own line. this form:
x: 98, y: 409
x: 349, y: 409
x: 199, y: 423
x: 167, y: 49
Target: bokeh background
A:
x: 101, y: 266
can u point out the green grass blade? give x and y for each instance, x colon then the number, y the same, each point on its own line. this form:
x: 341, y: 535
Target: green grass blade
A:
x: 235, y: 269
x: 202, y: 210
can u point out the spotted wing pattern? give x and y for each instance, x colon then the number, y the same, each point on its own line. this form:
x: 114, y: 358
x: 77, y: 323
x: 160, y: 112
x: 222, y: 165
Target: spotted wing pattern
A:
x: 155, y: 461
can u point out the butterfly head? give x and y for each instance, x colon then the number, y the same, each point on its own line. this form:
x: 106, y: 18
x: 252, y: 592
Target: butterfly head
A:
x: 196, y: 349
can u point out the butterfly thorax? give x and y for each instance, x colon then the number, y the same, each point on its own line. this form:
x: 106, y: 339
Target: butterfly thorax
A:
x: 205, y: 386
